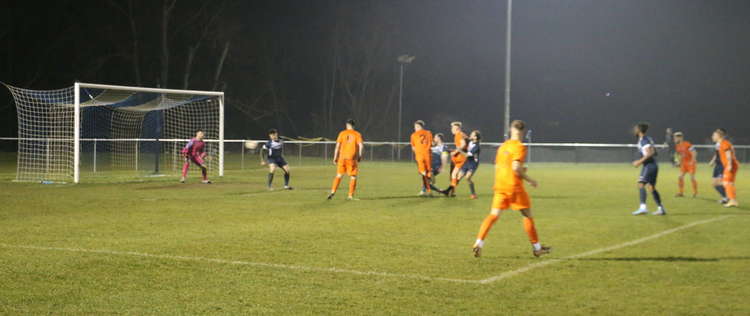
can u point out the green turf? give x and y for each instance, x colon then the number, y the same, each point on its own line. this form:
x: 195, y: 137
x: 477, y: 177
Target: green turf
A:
x: 415, y: 241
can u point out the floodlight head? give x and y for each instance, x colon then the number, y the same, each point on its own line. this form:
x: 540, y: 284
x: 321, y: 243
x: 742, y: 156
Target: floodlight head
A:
x: 405, y: 59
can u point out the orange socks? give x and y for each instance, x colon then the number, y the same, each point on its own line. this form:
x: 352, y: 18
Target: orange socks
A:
x: 426, y: 183
x: 352, y: 186
x: 486, y: 225
x: 335, y: 186
x: 681, y: 185
x: 528, y: 225
x: 695, y: 186
x: 731, y: 191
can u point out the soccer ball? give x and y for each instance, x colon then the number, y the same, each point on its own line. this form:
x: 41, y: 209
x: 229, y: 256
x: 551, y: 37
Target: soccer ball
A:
x: 251, y: 144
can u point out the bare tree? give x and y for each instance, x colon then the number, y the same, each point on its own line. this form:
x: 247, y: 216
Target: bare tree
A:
x: 362, y: 78
x: 135, y: 55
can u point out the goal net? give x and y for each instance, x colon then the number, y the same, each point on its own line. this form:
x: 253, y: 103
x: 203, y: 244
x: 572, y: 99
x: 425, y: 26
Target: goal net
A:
x: 113, y: 132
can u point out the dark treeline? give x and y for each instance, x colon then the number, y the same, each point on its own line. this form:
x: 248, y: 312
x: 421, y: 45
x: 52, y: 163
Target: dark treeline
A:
x: 583, y: 70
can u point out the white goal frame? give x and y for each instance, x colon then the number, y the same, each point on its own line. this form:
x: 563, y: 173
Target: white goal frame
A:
x: 77, y: 117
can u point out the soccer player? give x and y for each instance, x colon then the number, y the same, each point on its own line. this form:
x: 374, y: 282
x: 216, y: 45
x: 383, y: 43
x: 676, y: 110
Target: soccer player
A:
x: 472, y: 161
x: 509, y: 191
x: 195, y: 152
x: 731, y: 165
x: 272, y: 154
x: 421, y: 144
x: 346, y: 157
x: 718, y: 173
x: 688, y: 162
x: 458, y: 157
x: 649, y: 172
x: 440, y: 157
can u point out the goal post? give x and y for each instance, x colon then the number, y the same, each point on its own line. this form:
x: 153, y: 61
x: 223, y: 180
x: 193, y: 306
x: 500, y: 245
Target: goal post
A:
x: 112, y: 131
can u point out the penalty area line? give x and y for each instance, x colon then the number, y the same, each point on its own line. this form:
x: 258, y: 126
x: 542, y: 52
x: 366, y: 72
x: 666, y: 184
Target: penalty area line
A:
x: 241, y: 263
x: 544, y: 263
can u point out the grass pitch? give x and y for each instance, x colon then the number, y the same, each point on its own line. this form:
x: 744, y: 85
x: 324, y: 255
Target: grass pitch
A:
x: 160, y: 247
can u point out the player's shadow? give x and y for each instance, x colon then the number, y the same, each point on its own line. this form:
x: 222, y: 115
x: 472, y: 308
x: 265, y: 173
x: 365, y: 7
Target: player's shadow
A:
x: 712, y: 213
x: 665, y: 259
x: 401, y: 197
x: 553, y: 197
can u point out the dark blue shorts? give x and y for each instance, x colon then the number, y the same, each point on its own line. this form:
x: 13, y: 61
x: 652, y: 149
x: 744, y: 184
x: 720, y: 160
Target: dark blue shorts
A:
x: 435, y: 168
x: 470, y: 165
x: 649, y: 172
x: 718, y: 170
x: 278, y: 161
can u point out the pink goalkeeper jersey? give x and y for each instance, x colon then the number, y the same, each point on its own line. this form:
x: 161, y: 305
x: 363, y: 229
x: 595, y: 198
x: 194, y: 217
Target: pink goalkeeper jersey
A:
x: 194, y: 148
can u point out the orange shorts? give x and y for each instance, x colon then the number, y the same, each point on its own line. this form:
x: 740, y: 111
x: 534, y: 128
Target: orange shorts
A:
x: 348, y: 166
x: 458, y: 160
x: 518, y: 200
x: 729, y: 176
x: 687, y: 168
x: 424, y: 164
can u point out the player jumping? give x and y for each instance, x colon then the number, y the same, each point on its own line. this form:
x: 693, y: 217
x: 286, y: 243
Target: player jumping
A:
x: 688, y: 162
x: 195, y: 152
x: 472, y: 161
x: 730, y: 163
x: 649, y: 172
x: 272, y: 154
x: 458, y: 157
x: 421, y: 143
x: 346, y: 157
x: 509, y: 190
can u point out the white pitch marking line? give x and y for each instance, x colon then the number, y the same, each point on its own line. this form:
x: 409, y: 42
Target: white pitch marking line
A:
x: 502, y: 276
x: 532, y: 266
x: 238, y: 262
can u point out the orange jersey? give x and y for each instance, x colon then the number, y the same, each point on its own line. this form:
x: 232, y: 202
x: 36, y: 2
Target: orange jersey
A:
x: 349, y: 141
x: 724, y: 147
x: 506, y: 180
x: 686, y: 151
x: 460, y: 136
x: 421, y: 142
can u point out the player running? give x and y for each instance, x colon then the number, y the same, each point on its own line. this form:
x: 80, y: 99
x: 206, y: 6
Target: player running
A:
x: 688, y: 162
x: 718, y: 173
x: 272, y: 154
x: 421, y: 145
x: 195, y: 152
x: 439, y: 159
x: 472, y: 161
x: 346, y: 157
x: 730, y: 163
x: 458, y: 157
x: 649, y: 172
x: 509, y: 190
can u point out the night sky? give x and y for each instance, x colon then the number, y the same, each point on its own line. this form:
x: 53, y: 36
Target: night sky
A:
x: 583, y: 70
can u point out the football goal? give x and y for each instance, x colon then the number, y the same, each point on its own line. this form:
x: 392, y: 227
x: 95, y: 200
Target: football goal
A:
x: 96, y: 130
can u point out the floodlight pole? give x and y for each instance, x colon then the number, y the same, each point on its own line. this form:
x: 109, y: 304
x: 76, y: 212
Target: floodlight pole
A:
x: 402, y: 60
x: 508, y: 33
x: 400, y: 104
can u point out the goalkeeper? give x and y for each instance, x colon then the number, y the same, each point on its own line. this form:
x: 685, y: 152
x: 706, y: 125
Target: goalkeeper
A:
x: 195, y: 151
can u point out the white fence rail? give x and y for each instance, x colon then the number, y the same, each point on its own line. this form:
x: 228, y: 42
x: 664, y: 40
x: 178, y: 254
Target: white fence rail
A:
x: 93, y: 152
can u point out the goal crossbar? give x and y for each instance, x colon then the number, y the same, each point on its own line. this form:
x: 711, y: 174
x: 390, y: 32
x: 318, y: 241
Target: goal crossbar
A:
x: 152, y: 90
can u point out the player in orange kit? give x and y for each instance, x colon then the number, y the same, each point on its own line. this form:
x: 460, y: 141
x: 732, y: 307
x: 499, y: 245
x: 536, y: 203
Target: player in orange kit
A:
x: 458, y: 157
x: 688, y: 163
x: 509, y: 191
x: 730, y: 163
x: 421, y: 144
x: 346, y: 157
